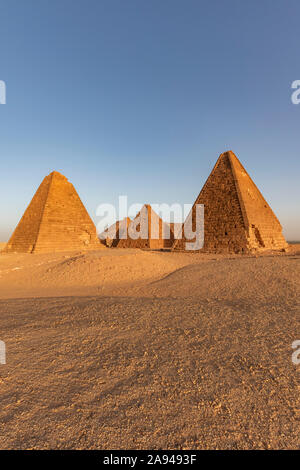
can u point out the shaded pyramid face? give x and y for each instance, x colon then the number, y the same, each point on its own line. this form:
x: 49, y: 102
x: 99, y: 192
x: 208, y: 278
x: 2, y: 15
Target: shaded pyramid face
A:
x: 237, y: 219
x: 147, y: 230
x: 55, y: 220
x: 121, y: 231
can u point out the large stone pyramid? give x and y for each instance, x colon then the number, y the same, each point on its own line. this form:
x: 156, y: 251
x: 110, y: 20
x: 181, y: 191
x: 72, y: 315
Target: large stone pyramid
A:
x: 156, y: 236
x: 237, y: 219
x: 55, y: 220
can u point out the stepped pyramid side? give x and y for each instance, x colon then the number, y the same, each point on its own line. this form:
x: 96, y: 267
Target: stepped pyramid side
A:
x: 156, y: 231
x: 237, y: 219
x: 59, y: 220
x: 224, y: 228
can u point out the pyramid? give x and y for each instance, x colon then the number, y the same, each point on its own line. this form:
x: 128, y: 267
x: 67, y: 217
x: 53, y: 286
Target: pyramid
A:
x: 156, y: 231
x: 113, y: 234
x: 55, y: 220
x: 237, y: 219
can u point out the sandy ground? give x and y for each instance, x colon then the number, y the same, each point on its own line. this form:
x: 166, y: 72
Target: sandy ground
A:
x: 134, y: 349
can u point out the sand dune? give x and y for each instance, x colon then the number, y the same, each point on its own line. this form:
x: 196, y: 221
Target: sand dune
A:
x: 82, y: 273
x: 117, y: 271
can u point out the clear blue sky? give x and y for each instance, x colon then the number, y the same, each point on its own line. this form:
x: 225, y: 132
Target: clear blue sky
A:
x: 139, y: 97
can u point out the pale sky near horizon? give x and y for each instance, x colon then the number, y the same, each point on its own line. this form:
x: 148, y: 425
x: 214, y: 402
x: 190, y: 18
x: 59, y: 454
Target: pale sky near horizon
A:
x: 139, y: 98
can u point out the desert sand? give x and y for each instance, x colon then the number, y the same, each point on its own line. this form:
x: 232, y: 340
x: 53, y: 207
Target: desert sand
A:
x: 131, y: 349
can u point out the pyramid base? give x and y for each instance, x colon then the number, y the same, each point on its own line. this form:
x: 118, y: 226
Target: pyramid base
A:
x: 36, y: 250
x: 243, y: 249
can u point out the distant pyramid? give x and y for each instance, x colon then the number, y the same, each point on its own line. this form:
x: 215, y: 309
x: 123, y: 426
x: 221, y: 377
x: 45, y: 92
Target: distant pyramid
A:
x: 156, y: 236
x: 237, y: 219
x: 55, y: 220
x: 113, y: 234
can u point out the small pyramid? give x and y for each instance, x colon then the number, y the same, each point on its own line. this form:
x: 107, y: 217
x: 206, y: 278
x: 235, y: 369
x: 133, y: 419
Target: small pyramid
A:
x: 113, y: 234
x: 237, y: 219
x: 157, y: 232
x: 55, y: 220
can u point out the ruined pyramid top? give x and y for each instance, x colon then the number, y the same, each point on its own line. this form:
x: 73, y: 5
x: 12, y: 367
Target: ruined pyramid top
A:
x: 55, y: 220
x: 56, y: 174
x: 147, y: 230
